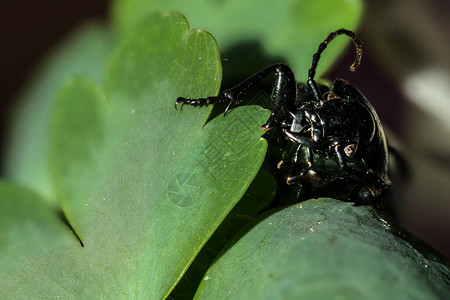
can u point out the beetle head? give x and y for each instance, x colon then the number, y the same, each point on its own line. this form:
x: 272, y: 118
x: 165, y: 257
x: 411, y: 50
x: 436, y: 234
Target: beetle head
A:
x: 306, y: 124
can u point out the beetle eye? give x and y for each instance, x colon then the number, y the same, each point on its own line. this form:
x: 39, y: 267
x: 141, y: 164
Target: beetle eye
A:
x: 350, y: 150
x: 331, y: 96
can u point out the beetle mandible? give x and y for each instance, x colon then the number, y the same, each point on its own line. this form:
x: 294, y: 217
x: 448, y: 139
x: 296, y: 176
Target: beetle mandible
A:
x: 334, y: 143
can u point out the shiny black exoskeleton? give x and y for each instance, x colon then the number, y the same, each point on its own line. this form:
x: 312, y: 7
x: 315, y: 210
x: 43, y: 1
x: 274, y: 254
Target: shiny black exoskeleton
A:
x: 334, y: 143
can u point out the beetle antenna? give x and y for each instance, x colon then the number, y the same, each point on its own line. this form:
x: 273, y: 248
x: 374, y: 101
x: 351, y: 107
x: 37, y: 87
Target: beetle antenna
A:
x: 312, y: 71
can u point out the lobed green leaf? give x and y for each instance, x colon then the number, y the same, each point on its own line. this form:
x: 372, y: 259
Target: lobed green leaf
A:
x: 326, y: 249
x: 143, y: 185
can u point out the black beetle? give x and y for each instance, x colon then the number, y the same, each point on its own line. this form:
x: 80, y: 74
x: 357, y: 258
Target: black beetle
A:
x: 334, y: 144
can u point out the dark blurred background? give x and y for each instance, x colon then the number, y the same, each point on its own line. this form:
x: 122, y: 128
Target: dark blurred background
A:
x: 405, y: 74
x: 29, y: 30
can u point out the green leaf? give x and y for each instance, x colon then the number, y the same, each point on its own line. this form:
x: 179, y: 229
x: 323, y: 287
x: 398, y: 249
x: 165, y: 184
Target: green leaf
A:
x: 32, y: 237
x: 29, y: 221
x: 143, y: 185
x: 258, y: 196
x: 84, y: 52
x: 277, y: 30
x: 326, y: 249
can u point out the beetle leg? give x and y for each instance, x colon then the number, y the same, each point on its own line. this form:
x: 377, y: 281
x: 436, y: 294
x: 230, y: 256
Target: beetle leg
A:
x: 269, y: 124
x: 290, y: 153
x: 291, y: 179
x: 284, y: 91
x: 303, y: 169
x: 300, y: 139
x: 337, y: 152
x: 308, y: 159
x: 199, y: 101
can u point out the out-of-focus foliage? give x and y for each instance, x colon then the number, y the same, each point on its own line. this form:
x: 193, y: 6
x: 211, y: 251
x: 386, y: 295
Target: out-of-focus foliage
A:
x: 290, y: 29
x: 85, y: 52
